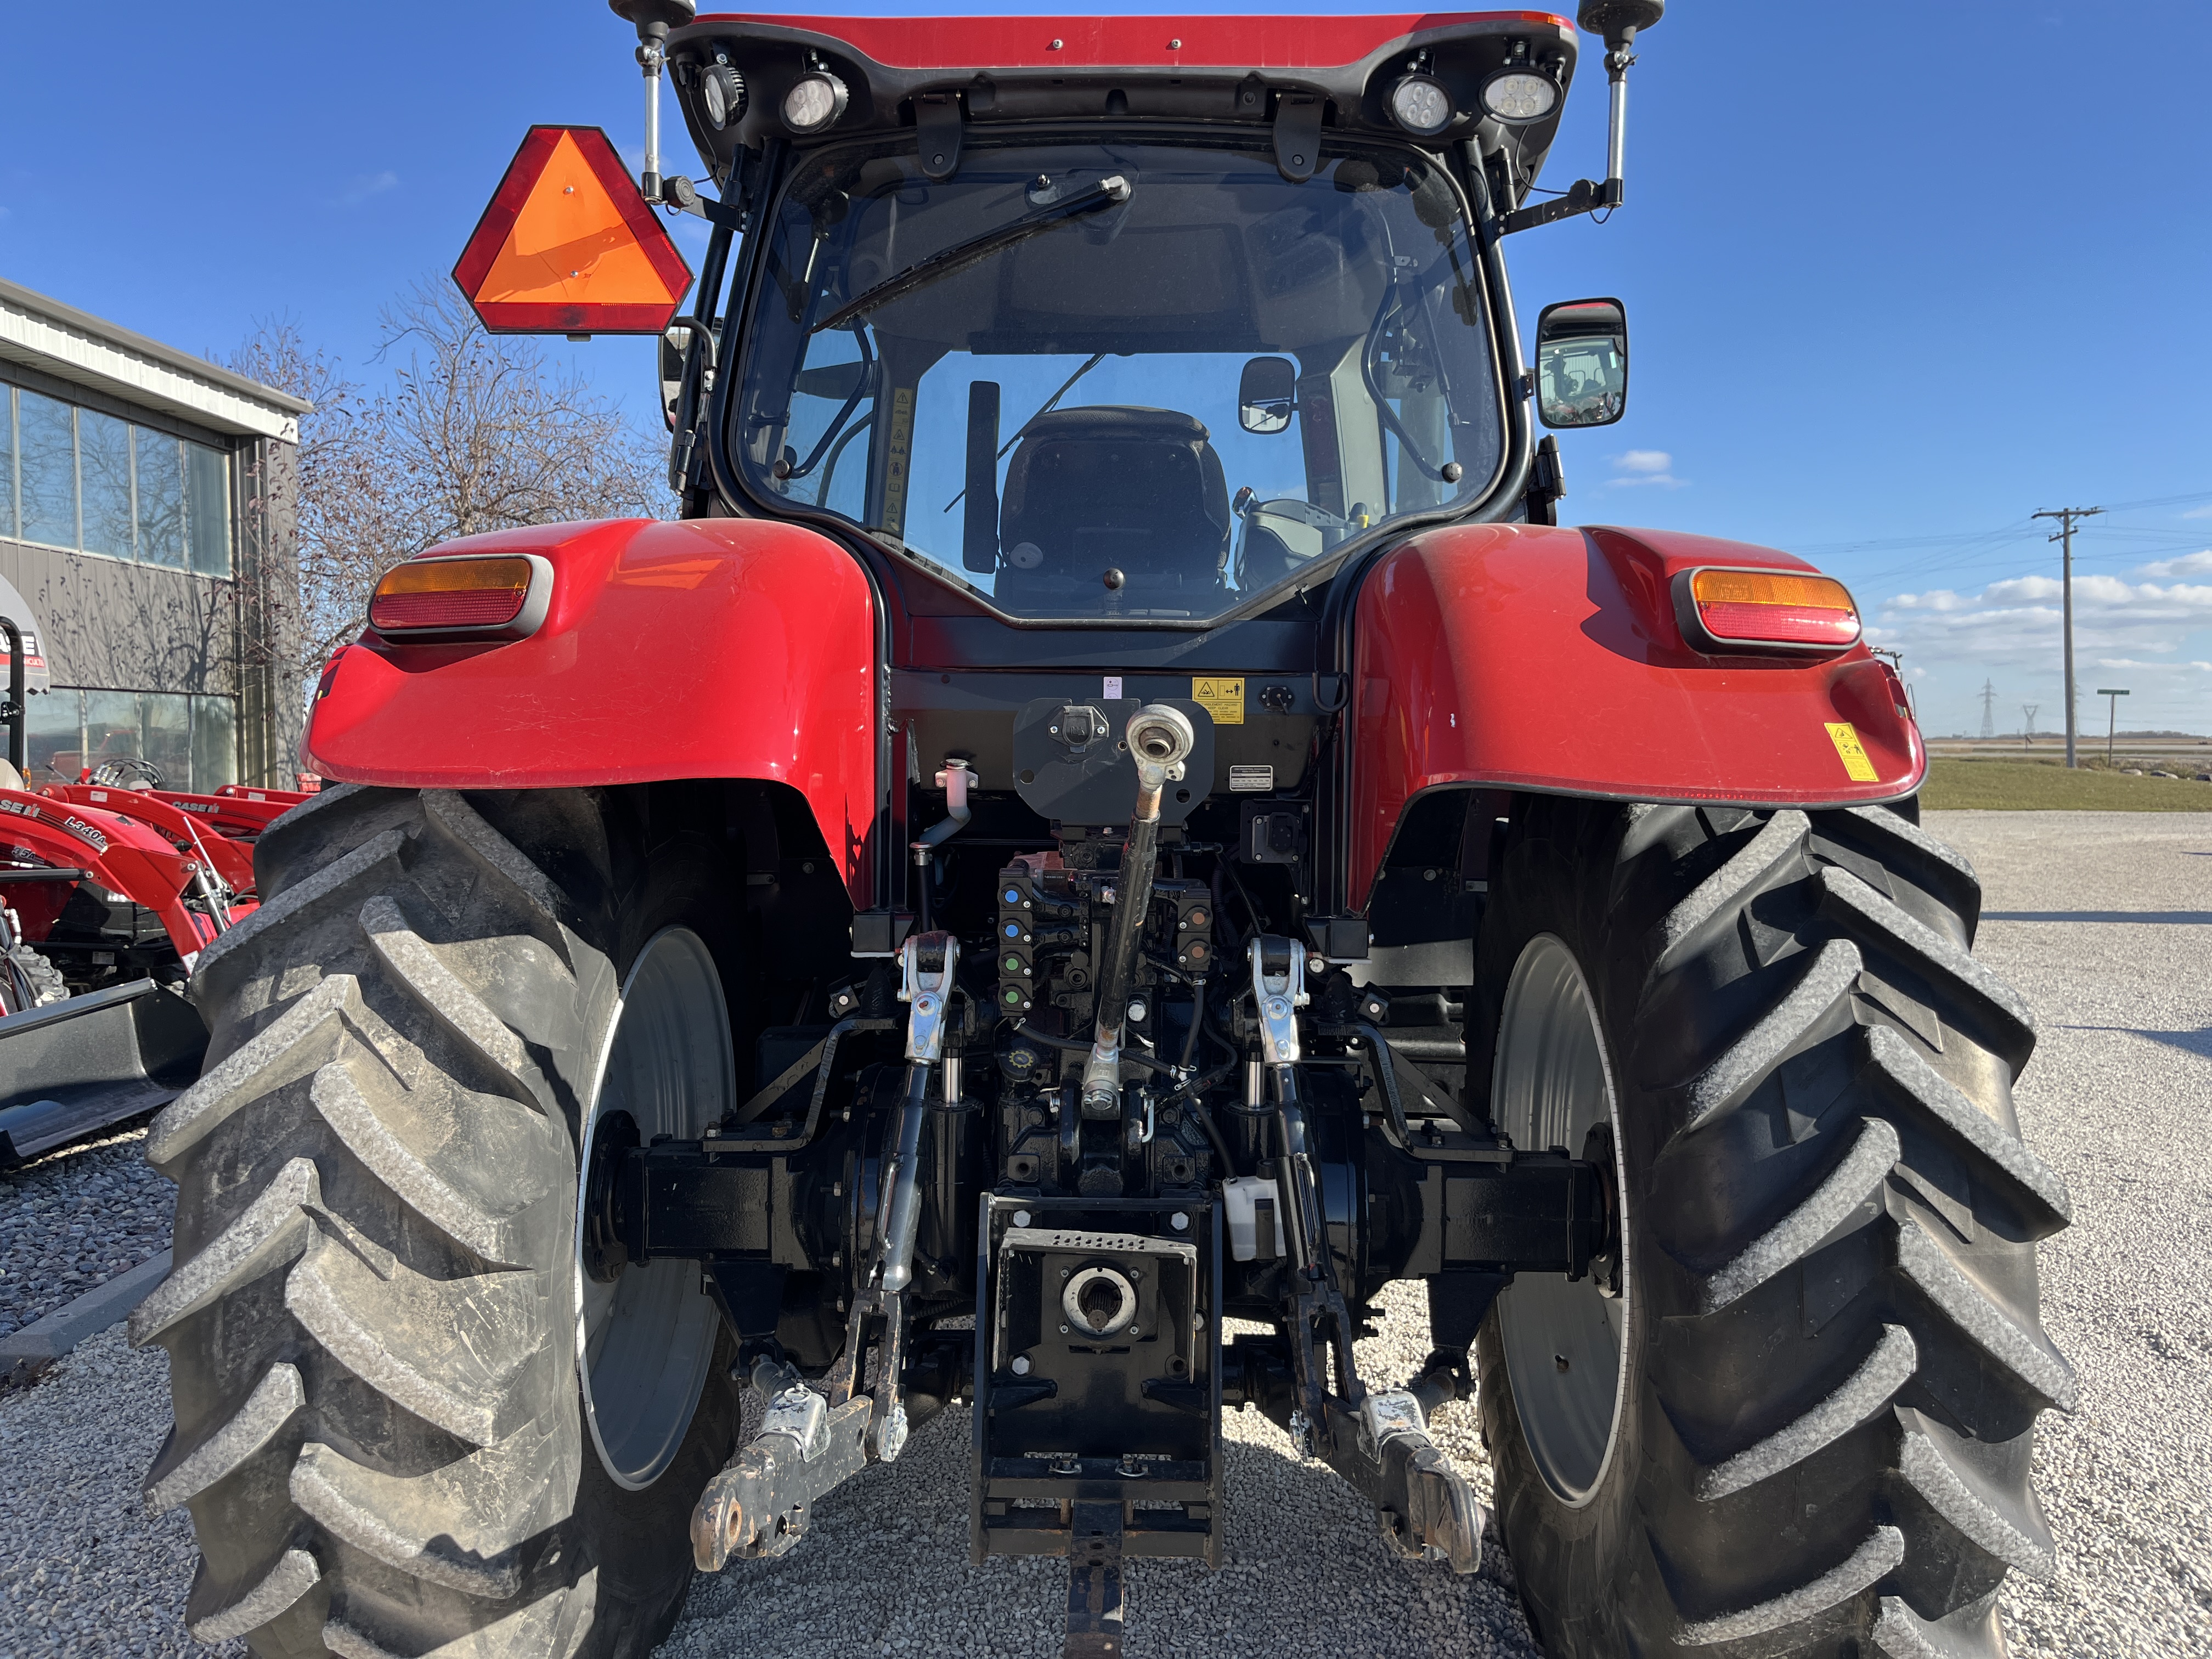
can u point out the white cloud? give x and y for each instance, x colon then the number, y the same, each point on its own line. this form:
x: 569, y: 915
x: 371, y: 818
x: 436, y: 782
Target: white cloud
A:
x: 2204, y: 512
x: 367, y: 184
x: 1644, y: 466
x: 2191, y: 564
x: 2019, y: 619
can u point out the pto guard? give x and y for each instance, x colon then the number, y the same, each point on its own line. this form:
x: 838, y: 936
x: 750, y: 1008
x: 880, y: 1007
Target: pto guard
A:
x: 708, y: 649
x: 1524, y: 657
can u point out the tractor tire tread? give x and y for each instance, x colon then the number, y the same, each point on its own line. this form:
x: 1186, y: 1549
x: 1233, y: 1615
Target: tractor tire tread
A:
x: 372, y: 1394
x: 1842, y: 1296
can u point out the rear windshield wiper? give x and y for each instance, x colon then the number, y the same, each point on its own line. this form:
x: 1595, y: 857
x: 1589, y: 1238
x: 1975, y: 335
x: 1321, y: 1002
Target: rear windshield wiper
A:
x: 1107, y: 192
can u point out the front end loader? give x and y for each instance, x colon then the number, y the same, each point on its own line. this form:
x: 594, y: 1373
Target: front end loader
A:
x: 1113, y: 807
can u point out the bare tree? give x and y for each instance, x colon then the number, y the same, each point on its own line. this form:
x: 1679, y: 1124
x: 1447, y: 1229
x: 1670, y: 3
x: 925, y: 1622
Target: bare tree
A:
x: 298, y: 632
x: 476, y: 431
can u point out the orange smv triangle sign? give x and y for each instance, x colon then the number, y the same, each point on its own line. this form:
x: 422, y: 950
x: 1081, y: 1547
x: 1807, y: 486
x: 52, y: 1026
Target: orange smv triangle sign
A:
x: 569, y: 247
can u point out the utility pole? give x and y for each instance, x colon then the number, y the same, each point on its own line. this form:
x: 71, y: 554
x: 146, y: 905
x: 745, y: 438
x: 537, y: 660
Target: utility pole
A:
x: 2066, y: 515
x: 2027, y: 731
x: 2111, y: 720
x: 1989, y: 709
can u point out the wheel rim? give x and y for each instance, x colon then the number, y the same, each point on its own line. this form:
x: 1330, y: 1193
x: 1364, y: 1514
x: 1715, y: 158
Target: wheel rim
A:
x: 1553, y: 1084
x: 645, y: 1341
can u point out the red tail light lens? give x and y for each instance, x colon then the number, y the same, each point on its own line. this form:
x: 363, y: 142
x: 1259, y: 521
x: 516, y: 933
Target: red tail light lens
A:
x: 1734, y: 610
x: 502, y: 598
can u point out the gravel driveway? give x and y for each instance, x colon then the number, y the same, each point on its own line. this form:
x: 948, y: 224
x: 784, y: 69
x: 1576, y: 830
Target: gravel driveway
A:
x: 2104, y: 921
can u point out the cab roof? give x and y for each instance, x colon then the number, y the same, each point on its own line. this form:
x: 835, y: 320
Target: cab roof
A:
x: 1164, y: 42
x: 1233, y: 70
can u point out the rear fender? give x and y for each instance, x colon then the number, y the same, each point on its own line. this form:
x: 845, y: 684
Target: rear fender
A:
x: 1523, y: 657
x: 708, y: 648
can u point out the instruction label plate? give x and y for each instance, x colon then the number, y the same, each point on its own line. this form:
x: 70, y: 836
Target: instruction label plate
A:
x: 1223, y: 699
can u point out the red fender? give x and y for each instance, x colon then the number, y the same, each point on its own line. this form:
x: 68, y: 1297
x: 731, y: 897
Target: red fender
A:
x: 233, y: 864
x: 708, y: 649
x: 122, y: 856
x: 1550, y: 659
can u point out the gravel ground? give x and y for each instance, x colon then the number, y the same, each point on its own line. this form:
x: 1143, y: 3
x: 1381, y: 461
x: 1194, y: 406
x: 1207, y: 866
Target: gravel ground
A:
x: 885, y: 1566
x: 83, y: 1573
x: 2115, y: 1099
x: 76, y: 1218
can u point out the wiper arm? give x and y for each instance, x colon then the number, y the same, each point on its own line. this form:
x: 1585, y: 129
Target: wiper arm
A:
x: 947, y: 262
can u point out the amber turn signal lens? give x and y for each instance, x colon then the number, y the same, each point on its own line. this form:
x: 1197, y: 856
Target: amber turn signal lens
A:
x: 451, y: 593
x: 1774, y: 607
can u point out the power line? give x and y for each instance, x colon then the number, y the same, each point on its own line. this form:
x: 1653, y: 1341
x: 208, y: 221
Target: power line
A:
x: 2066, y: 516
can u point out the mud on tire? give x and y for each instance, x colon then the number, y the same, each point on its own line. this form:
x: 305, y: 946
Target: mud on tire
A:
x: 371, y: 1323
x: 1833, y: 1357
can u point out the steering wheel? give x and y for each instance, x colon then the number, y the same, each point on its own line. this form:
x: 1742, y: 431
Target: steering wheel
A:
x: 130, y: 773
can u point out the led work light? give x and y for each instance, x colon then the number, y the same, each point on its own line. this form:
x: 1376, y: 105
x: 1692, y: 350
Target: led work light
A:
x: 503, y: 597
x: 1519, y: 95
x: 1770, y: 610
x: 722, y: 91
x: 1421, y: 105
x: 814, y: 101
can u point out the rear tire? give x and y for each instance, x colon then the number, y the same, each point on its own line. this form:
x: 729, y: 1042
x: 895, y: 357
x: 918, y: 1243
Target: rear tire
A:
x: 373, y: 1322
x: 1828, y: 1357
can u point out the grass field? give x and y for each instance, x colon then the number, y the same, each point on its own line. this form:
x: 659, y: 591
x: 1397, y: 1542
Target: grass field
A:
x: 2030, y: 785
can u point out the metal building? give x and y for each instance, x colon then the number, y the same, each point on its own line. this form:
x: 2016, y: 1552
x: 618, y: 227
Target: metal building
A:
x: 147, y: 525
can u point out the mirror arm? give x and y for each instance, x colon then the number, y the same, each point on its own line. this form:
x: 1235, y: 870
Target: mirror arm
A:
x: 679, y: 194
x: 1588, y: 194
x: 1547, y: 483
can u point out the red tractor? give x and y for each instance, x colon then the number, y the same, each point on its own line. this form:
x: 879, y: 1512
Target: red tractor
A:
x: 1113, y: 808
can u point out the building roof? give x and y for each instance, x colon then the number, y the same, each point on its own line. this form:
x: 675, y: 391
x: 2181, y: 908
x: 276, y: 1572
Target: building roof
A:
x: 74, y: 345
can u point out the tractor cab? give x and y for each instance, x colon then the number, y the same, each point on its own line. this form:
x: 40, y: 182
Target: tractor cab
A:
x: 1010, y: 311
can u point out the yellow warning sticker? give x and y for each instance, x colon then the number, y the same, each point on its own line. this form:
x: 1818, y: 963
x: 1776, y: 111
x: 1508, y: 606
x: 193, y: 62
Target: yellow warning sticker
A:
x: 1223, y: 699
x: 1851, y: 753
x: 899, y: 453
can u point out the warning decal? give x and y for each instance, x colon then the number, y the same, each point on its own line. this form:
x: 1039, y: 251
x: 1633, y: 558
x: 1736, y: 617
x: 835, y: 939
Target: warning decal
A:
x: 1223, y: 699
x: 899, y: 452
x: 1849, y: 750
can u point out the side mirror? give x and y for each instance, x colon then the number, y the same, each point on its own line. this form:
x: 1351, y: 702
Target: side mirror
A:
x: 1582, y: 364
x: 1268, y: 395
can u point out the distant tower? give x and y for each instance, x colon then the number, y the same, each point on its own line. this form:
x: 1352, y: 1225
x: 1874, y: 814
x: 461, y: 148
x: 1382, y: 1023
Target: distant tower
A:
x: 1989, y: 709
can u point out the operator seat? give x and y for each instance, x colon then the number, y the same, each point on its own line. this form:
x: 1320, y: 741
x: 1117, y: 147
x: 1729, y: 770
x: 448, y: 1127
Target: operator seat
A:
x: 1099, y: 489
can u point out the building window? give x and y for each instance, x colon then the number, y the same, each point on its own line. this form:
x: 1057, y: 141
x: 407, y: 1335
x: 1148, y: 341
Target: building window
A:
x: 207, y: 509
x: 103, y: 482
x: 193, y: 739
x: 76, y: 478
x: 7, y: 460
x: 46, y: 444
x: 158, y: 466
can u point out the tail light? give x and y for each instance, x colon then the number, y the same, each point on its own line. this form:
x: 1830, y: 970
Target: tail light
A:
x: 463, y: 597
x: 1729, y: 611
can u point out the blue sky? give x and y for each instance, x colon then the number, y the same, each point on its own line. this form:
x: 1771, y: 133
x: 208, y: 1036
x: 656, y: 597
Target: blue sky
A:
x: 1894, y: 284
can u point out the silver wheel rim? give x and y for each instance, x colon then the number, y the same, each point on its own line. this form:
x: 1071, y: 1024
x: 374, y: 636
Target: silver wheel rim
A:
x: 644, y: 1342
x: 1553, y: 1084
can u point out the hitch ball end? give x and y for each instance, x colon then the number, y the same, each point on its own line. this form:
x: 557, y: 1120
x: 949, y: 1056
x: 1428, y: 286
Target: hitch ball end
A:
x: 1160, y: 736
